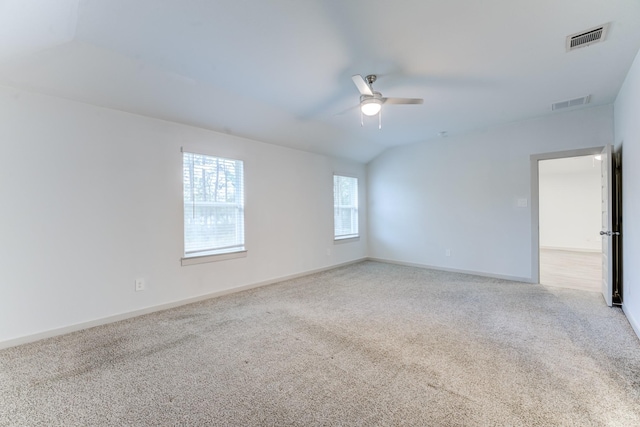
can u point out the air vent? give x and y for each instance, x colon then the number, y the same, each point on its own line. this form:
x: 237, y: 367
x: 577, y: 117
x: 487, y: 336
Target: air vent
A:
x: 587, y: 38
x: 571, y: 103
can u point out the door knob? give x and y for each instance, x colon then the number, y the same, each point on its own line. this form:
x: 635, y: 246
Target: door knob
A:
x: 609, y: 233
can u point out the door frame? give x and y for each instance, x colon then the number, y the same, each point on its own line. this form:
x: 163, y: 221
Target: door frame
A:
x: 535, y: 199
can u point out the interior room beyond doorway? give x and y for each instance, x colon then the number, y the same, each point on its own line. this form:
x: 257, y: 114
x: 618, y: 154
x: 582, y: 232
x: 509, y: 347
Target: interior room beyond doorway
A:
x: 570, y: 222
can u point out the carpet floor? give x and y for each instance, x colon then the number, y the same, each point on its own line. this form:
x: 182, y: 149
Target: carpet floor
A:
x: 370, y: 344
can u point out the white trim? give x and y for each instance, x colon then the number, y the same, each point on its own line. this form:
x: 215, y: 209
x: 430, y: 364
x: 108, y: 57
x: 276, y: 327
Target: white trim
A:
x: 357, y: 208
x: 346, y: 239
x: 202, y: 259
x: 535, y: 200
x: 347, y: 175
x: 632, y: 320
x: 235, y: 251
x: 564, y: 248
x: 123, y: 316
x: 454, y: 270
x: 198, y: 153
x: 214, y: 151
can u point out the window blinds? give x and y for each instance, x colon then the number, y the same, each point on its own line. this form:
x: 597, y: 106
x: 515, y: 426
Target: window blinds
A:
x: 213, y: 205
x: 345, y: 206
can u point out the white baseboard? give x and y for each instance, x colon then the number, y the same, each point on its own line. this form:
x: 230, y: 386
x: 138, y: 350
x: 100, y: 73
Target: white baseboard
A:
x: 632, y: 320
x: 454, y: 270
x: 558, y: 248
x: 123, y: 316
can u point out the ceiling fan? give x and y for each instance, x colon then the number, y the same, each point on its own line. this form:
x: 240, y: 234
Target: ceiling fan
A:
x: 371, y: 101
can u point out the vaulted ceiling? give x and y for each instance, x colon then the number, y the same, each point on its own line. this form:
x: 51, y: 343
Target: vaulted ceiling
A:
x: 279, y: 71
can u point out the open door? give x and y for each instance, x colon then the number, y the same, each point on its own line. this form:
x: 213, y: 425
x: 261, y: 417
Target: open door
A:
x: 607, y: 231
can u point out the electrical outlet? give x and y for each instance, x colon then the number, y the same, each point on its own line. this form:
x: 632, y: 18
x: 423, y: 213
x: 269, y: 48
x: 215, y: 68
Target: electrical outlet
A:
x: 140, y: 285
x: 447, y: 252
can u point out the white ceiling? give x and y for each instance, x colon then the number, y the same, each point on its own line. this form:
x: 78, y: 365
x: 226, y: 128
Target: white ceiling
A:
x: 279, y: 70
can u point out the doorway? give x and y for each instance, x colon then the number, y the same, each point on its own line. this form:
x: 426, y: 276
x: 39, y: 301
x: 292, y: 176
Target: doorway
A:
x: 535, y: 200
x: 610, y: 229
x: 570, y: 201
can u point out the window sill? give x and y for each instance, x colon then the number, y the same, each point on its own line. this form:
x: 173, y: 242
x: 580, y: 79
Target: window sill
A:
x: 348, y: 239
x: 202, y: 259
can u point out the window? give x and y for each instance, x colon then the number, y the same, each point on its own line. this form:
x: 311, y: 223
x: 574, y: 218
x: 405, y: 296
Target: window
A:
x: 345, y: 207
x: 213, y: 205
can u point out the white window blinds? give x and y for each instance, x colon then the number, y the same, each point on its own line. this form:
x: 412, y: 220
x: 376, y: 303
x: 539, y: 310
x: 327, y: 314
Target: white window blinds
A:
x: 213, y: 205
x: 345, y: 207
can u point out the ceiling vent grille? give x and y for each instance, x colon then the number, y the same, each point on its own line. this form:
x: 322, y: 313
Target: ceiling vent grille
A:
x: 587, y: 38
x: 571, y: 103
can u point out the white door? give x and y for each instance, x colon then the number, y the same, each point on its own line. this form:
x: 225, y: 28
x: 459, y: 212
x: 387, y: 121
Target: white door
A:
x: 607, y: 226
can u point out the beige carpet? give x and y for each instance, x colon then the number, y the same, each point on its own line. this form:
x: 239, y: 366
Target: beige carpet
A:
x: 370, y: 344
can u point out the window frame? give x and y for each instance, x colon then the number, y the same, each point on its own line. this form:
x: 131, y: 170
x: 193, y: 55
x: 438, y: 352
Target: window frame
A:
x: 356, y: 208
x: 216, y: 254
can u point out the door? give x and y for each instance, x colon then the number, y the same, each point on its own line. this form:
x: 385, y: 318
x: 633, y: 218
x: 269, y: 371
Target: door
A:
x: 607, y: 232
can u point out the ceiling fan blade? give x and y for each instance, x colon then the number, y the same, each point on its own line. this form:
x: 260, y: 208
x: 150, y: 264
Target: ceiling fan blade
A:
x: 362, y: 86
x: 402, y: 100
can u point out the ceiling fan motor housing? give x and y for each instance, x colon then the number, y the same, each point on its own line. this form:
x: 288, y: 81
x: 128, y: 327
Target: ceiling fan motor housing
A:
x: 376, y: 95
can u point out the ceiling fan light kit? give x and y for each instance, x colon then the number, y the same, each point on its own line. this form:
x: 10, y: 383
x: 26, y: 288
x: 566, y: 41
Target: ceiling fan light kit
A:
x: 371, y: 102
x: 370, y: 106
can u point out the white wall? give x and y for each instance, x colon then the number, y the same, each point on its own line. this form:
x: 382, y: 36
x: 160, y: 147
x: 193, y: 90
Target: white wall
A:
x: 627, y: 138
x: 460, y: 193
x: 92, y: 199
x: 570, y: 206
